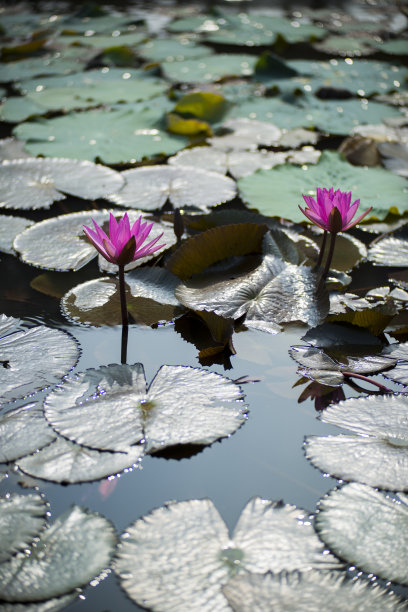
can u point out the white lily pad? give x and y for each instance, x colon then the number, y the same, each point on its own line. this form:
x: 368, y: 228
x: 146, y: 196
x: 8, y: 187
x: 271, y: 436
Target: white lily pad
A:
x: 374, y: 186
x: 150, y: 298
x: 187, y: 568
x: 65, y: 462
x: 75, y: 549
x: 368, y: 529
x: 11, y: 148
x: 9, y: 228
x: 52, y: 605
x: 395, y: 157
x: 149, y: 188
x: 23, y: 430
x: 389, y: 251
x: 211, y: 68
x: 36, y: 183
x: 311, y: 591
x: 126, y: 134
x: 32, y: 358
x: 247, y: 134
x: 86, y: 408
x: 22, y: 517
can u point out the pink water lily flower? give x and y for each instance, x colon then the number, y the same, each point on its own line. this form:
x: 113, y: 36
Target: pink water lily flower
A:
x: 124, y: 243
x: 332, y: 210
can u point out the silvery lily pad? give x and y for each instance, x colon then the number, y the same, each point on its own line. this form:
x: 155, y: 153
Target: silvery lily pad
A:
x: 179, y: 556
x: 389, y: 251
x: 150, y: 298
x: 378, y: 455
x: 23, y: 430
x: 32, y: 358
x: 311, y: 591
x: 9, y: 228
x: 22, y: 517
x: 52, y: 605
x: 75, y: 549
x: 111, y: 409
x: 247, y: 134
x: 11, y: 148
x: 395, y: 157
x: 59, y: 243
x: 36, y: 183
x: 399, y: 374
x: 368, y: 529
x: 149, y: 188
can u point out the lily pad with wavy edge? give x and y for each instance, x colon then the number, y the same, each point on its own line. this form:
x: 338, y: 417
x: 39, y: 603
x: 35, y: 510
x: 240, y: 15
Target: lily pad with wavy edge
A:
x: 197, y: 556
x: 60, y: 243
x: 68, y: 554
x: 309, y: 591
x: 22, y: 518
x: 116, y: 136
x: 150, y: 299
x: 399, y: 374
x: 111, y: 409
x: 375, y: 187
x: 379, y: 457
x: 32, y: 358
x: 36, y: 183
x: 23, y: 430
x: 368, y: 529
x: 210, y: 68
x: 9, y: 228
x: 149, y: 188
x: 389, y: 251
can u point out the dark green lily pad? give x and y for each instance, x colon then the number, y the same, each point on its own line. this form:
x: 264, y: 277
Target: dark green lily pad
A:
x: 368, y: 529
x: 374, y: 186
x: 75, y: 549
x: 307, y: 592
x: 378, y: 455
x: 197, y: 556
x: 32, y: 358
x: 22, y: 517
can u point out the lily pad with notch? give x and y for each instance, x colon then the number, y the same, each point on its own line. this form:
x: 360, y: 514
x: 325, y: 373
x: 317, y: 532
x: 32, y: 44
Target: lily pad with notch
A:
x: 197, y: 556
x: 366, y: 528
x: 22, y: 518
x: 378, y: 454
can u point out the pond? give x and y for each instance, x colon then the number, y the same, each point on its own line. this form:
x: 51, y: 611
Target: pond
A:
x: 242, y: 444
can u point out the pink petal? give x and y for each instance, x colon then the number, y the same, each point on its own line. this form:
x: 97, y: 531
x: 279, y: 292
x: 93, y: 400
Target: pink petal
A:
x: 113, y: 228
x: 136, y: 227
x: 148, y: 248
x: 351, y: 212
x: 313, y: 218
x: 358, y: 219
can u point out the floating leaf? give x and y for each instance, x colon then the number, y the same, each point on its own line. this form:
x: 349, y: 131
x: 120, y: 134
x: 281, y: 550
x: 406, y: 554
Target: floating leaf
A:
x: 11, y: 148
x: 52, y: 605
x: 32, y: 358
x: 36, y: 183
x: 374, y: 186
x: 211, y: 68
x: 395, y: 157
x: 149, y: 188
x: 197, y: 557
x: 75, y: 549
x: 380, y: 457
x: 35, y: 66
x: 23, y: 430
x: 150, y: 299
x: 218, y: 243
x: 247, y: 134
x: 308, y: 592
x: 204, y: 105
x: 172, y: 49
x: 128, y: 135
x: 9, y: 228
x: 368, y: 529
x: 391, y: 250
x: 22, y: 517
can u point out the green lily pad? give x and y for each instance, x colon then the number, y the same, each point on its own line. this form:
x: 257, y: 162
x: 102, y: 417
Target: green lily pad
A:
x: 211, y: 68
x: 374, y: 186
x: 102, y: 42
x: 114, y: 136
x: 173, y: 50
x: 16, y: 109
x: 179, y: 556
x: 368, y: 529
x: 35, y: 66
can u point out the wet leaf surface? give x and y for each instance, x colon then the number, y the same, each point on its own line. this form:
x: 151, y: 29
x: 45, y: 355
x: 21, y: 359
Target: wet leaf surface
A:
x: 22, y: 518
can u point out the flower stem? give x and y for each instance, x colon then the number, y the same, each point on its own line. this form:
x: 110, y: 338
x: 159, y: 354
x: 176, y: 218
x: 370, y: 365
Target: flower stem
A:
x: 323, y: 246
x: 122, y: 292
x: 368, y: 380
x: 124, y: 343
x: 330, y: 255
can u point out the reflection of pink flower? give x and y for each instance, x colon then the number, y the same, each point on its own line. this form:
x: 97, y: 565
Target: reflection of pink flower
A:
x: 124, y: 243
x: 333, y: 210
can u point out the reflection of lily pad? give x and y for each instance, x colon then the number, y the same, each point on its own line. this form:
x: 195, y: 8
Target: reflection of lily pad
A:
x: 149, y: 188
x: 150, y: 299
x: 374, y: 186
x: 32, y: 358
x: 22, y: 517
x: 179, y: 556
x: 378, y: 455
x: 36, y: 183
x: 367, y: 529
x: 114, y: 136
x: 308, y: 592
x: 75, y: 549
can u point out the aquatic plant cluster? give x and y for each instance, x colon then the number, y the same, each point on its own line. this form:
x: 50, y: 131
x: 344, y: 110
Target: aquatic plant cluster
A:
x: 152, y: 172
